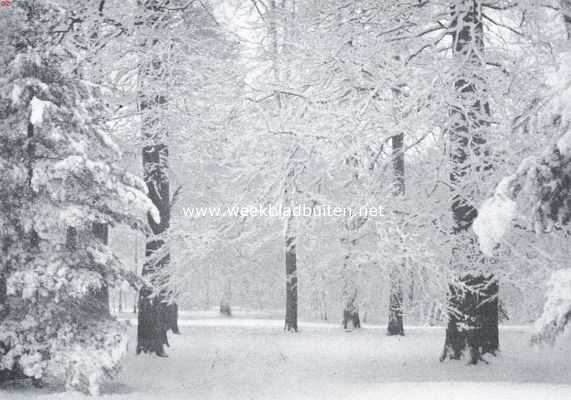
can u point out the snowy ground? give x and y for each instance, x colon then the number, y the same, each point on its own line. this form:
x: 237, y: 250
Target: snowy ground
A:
x: 247, y: 358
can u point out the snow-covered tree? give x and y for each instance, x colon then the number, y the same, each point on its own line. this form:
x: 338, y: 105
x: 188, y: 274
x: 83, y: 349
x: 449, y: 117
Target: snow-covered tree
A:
x: 59, y: 170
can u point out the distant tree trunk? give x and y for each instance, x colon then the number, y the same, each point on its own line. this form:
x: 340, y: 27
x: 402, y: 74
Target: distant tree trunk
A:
x: 351, y: 309
x: 350, y: 270
x: 322, y: 304
x: 434, y: 314
x: 225, y: 307
x: 473, y: 305
x: 291, y: 279
x: 395, y: 325
x: 350, y: 288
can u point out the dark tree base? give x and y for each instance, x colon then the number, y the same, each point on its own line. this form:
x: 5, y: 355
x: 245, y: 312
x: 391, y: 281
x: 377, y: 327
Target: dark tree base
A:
x: 395, y: 327
x: 152, y: 327
x: 225, y: 310
x: 351, y: 319
x: 472, y: 329
x: 172, y: 318
x: 290, y: 326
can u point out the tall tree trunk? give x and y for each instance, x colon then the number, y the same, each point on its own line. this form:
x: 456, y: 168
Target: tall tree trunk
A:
x: 473, y: 311
x: 323, y: 305
x: 290, y: 239
x: 155, y: 316
x: 152, y: 318
x: 395, y: 325
x: 291, y: 278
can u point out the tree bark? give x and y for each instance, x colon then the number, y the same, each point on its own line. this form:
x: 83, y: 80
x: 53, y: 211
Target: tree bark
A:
x: 351, y: 317
x: 351, y: 310
x: 172, y: 318
x: 155, y: 316
x: 319, y: 300
x: 291, y: 279
x: 395, y: 325
x: 473, y: 312
x: 152, y: 324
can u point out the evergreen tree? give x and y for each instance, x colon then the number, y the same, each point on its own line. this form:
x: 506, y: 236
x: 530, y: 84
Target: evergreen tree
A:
x: 59, y: 169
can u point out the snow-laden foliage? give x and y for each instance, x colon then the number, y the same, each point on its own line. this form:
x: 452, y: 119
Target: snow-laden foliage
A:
x: 59, y: 176
x: 495, y: 217
x: 557, y: 309
x: 537, y: 197
x: 538, y: 192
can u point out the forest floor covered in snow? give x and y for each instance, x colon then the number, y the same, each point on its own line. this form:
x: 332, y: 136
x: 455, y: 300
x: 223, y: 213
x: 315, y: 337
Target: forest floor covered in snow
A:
x: 252, y: 358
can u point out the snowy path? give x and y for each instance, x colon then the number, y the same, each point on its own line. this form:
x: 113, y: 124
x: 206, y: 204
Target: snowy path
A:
x: 254, y: 359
